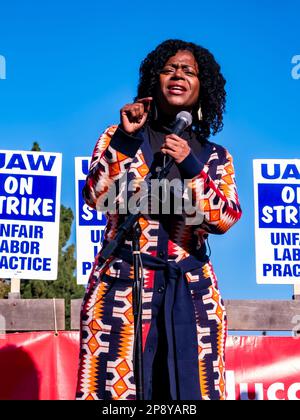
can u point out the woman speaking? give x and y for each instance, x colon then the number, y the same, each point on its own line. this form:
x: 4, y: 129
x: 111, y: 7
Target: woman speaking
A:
x: 183, y: 315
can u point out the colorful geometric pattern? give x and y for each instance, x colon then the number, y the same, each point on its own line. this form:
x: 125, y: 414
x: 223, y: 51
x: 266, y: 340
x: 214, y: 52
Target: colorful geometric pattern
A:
x: 107, y: 330
x: 211, y: 331
x: 121, y: 386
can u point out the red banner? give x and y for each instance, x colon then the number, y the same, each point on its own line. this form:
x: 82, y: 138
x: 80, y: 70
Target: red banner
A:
x: 263, y: 368
x: 43, y: 366
x: 38, y: 366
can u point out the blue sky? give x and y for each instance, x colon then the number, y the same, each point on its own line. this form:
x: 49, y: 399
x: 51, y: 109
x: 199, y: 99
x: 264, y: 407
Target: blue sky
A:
x: 70, y: 66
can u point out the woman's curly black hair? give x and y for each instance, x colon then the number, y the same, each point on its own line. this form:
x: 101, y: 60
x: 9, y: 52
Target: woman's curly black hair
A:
x: 212, y: 83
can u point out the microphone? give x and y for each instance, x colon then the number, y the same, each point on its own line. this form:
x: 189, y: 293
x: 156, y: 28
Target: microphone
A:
x: 183, y: 120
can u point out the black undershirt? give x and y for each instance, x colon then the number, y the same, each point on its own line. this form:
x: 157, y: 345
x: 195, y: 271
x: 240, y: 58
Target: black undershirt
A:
x: 156, y: 134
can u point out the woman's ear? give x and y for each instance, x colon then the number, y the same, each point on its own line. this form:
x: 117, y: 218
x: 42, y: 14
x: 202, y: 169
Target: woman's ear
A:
x: 199, y: 113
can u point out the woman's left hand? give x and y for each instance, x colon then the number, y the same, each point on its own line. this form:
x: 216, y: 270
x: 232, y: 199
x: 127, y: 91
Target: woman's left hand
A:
x: 176, y: 147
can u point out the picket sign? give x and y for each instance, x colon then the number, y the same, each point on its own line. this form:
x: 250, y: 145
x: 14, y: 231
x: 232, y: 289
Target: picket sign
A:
x: 90, y: 225
x: 277, y: 221
x: 30, y: 187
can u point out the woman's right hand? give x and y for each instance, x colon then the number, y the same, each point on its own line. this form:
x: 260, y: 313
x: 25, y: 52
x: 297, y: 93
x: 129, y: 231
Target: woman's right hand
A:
x: 134, y: 116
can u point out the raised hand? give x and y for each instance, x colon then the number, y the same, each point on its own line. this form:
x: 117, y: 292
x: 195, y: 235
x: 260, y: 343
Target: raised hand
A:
x: 133, y: 116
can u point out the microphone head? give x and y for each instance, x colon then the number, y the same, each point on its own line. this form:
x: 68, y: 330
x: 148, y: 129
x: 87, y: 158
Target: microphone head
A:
x: 186, y: 117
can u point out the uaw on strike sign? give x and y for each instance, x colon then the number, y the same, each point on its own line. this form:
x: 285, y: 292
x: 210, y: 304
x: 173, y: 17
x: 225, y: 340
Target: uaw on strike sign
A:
x: 90, y: 225
x: 277, y: 221
x: 30, y: 184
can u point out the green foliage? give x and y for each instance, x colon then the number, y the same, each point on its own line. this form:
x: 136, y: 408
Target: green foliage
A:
x: 4, y: 289
x: 36, y: 147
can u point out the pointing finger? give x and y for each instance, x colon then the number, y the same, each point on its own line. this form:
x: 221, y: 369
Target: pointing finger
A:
x: 146, y: 102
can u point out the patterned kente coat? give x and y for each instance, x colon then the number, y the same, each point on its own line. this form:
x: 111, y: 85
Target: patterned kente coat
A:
x: 178, y: 277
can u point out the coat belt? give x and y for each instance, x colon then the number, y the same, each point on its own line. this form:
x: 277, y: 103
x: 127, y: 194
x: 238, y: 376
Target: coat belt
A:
x: 180, y: 323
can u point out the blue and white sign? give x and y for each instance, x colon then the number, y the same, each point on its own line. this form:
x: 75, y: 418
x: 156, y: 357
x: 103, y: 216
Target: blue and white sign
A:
x: 277, y: 221
x: 30, y: 186
x: 90, y: 225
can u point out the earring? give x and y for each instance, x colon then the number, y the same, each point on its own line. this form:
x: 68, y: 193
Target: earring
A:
x: 200, y: 115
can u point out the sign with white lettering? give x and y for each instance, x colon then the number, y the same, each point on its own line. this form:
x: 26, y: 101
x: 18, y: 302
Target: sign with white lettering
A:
x: 277, y: 221
x: 90, y: 225
x: 30, y: 185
